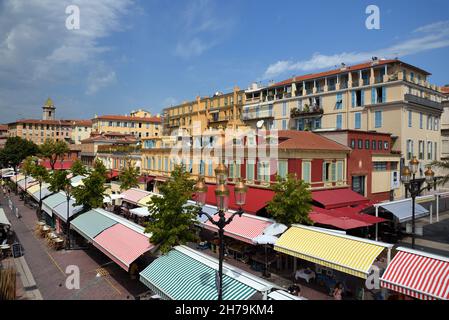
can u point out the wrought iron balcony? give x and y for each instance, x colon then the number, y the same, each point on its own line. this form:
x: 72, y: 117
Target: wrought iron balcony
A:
x: 306, y: 111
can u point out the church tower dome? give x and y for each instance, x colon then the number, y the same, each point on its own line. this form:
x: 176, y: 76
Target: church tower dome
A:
x: 49, y: 110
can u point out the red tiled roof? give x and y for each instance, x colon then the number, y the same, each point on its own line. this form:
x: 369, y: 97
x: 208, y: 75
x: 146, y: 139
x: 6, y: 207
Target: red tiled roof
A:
x: 306, y: 140
x: 128, y: 118
x: 445, y: 89
x: 338, y: 71
x: 3, y: 127
x: 83, y: 123
x: 40, y: 121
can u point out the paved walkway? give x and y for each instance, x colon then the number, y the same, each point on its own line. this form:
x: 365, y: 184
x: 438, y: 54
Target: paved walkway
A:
x: 99, y: 278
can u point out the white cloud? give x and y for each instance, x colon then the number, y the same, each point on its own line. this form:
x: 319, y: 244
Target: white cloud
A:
x: 428, y: 37
x: 201, y: 29
x: 37, y: 50
x: 100, y: 78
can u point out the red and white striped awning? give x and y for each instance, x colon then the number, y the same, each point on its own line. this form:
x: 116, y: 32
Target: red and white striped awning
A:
x: 418, y: 274
x: 244, y: 228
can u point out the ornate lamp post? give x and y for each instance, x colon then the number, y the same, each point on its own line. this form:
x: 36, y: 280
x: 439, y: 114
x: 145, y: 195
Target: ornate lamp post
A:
x: 413, y: 186
x: 222, y: 195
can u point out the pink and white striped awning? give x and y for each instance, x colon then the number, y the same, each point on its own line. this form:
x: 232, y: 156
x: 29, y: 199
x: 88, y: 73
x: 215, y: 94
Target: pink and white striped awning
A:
x: 244, y: 228
x: 418, y: 274
x: 134, y: 195
x: 122, y: 244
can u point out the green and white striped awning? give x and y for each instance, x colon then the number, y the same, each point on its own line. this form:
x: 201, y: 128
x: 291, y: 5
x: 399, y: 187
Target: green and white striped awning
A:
x: 178, y: 276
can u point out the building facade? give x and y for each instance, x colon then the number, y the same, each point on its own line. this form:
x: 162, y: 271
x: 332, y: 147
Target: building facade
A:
x: 445, y: 124
x: 219, y: 111
x: 138, y: 123
x: 81, y: 130
x: 3, y: 135
x: 383, y: 95
x: 373, y: 168
x: 317, y: 160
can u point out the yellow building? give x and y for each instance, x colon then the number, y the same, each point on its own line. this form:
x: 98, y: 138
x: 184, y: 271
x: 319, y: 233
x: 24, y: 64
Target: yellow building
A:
x: 139, y: 123
x: 383, y: 95
x: 221, y: 110
x: 81, y: 130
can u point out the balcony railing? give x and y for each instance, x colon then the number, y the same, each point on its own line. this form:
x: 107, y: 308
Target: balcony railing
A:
x: 306, y: 111
x: 119, y: 149
x: 257, y: 115
x: 424, y: 102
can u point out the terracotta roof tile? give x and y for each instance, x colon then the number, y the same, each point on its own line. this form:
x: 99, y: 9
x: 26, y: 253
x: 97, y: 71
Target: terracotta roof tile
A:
x: 128, y: 118
x: 338, y: 71
x: 306, y: 140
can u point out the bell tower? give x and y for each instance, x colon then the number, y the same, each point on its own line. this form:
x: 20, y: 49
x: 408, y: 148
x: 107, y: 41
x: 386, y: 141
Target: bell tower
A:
x: 49, y: 110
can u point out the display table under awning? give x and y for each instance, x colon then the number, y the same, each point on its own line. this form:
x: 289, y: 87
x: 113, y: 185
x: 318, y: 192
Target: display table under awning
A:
x: 340, y: 252
x: 3, y: 219
x: 418, y: 274
x: 338, y: 198
x: 91, y: 223
x: 403, y: 210
x: 52, y: 201
x: 186, y: 274
x: 122, y: 244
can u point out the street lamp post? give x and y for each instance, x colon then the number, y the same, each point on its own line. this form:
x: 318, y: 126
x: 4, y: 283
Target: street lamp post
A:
x: 413, y: 186
x: 68, y: 191
x: 222, y: 196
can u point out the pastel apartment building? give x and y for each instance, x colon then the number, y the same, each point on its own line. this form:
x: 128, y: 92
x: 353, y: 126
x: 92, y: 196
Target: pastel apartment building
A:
x: 382, y: 95
x: 138, y: 123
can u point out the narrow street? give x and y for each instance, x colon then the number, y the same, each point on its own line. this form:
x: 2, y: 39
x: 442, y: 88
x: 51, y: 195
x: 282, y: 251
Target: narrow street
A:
x: 99, y: 277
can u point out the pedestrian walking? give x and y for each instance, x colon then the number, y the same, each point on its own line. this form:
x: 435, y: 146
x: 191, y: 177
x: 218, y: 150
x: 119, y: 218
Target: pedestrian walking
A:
x: 338, y: 291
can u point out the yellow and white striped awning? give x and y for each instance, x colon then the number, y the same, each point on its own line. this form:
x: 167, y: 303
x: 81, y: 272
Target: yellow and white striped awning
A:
x: 33, y: 189
x: 331, y: 249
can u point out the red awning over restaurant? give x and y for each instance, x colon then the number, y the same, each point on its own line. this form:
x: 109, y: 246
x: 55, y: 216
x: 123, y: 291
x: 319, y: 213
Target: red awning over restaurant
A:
x: 342, y: 218
x: 142, y: 179
x: 256, y: 198
x: 66, y: 165
x: 112, y: 174
x: 338, y: 198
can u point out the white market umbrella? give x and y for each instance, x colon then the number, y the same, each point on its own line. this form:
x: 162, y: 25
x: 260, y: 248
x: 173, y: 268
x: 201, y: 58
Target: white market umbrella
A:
x: 275, y: 229
x: 265, y: 239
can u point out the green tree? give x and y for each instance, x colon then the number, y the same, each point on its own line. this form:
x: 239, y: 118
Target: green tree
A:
x: 443, y: 165
x: 129, y: 177
x: 53, y: 150
x: 28, y: 166
x: 40, y: 173
x: 172, y: 223
x: 100, y: 168
x: 58, y: 181
x: 16, y: 150
x: 291, y: 202
x: 78, y: 168
x: 90, y: 195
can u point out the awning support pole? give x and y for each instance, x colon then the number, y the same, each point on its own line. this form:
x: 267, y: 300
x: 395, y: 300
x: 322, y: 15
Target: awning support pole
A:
x: 437, y: 197
x: 377, y: 215
x: 388, y: 256
x: 431, y: 212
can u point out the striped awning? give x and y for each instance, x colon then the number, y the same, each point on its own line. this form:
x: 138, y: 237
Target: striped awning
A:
x: 181, y: 276
x: 122, y: 244
x: 134, y: 195
x: 26, y: 184
x: 52, y: 201
x: 17, y: 177
x: 144, y: 201
x: 33, y: 189
x: 244, y: 228
x: 61, y: 209
x: 91, y: 223
x: 43, y: 192
x: 418, y: 274
x: 340, y: 252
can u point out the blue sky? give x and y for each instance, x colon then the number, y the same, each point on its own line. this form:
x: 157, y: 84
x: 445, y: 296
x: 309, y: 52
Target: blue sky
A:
x: 131, y: 54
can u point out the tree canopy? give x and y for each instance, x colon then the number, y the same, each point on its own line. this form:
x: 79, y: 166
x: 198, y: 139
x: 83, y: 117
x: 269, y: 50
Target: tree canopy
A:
x: 90, y: 195
x: 53, y: 150
x: 129, y: 177
x: 58, y: 181
x: 28, y: 165
x: 172, y: 223
x: 78, y: 168
x: 16, y: 150
x: 40, y: 174
x: 292, y: 201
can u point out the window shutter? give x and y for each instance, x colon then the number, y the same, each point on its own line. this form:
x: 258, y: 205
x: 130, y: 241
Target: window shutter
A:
x: 353, y: 99
x: 324, y: 171
x: 373, y: 95
x: 384, y: 94
x: 333, y: 171
x: 363, y: 97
